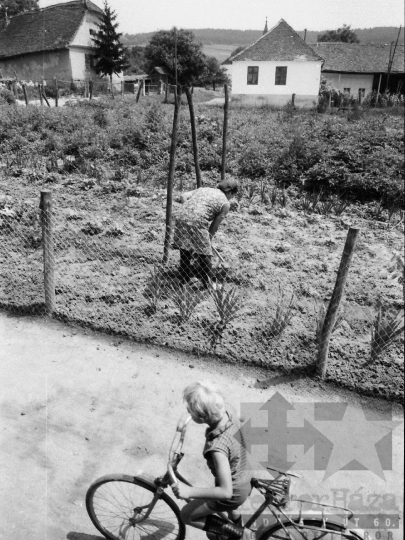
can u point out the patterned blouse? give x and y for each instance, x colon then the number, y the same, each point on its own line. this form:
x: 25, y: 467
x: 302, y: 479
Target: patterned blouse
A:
x: 193, y: 220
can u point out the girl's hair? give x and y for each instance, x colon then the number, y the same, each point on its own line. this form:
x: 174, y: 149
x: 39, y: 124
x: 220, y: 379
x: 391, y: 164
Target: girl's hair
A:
x: 205, y: 400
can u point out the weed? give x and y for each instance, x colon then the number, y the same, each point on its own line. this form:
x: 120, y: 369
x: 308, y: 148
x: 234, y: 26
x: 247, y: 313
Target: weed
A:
x: 186, y: 300
x: 283, y: 198
x: 264, y: 192
x: 386, y: 328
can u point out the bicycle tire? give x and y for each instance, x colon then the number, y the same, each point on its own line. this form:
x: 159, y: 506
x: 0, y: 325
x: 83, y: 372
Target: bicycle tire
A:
x: 277, y: 531
x: 110, y: 502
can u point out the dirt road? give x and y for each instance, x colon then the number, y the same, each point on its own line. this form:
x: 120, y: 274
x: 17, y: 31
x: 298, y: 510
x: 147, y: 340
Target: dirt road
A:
x: 76, y: 406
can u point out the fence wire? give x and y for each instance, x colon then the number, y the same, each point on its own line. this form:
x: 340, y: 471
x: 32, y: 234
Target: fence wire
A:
x: 244, y: 297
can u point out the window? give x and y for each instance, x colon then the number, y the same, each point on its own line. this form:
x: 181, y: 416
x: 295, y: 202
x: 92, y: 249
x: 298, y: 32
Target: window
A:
x: 89, y: 61
x: 93, y: 32
x: 362, y: 92
x: 346, y: 90
x: 253, y: 75
x: 281, y: 75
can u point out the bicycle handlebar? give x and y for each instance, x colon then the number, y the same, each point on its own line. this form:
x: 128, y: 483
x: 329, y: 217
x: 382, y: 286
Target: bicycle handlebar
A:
x: 173, y: 452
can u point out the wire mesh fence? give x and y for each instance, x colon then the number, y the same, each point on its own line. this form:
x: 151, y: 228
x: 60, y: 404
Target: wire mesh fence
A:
x: 239, y: 296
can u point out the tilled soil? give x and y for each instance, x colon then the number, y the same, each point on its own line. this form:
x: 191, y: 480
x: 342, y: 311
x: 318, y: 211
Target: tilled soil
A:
x: 107, y: 244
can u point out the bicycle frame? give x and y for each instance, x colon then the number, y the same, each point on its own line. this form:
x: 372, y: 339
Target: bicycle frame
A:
x: 172, y: 475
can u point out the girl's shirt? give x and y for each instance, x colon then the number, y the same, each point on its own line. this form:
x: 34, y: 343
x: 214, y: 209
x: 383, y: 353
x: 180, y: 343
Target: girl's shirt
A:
x: 229, y: 440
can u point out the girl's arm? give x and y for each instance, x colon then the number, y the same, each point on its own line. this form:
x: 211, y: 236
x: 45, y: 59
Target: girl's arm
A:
x: 186, y: 196
x: 219, y: 219
x: 224, y: 489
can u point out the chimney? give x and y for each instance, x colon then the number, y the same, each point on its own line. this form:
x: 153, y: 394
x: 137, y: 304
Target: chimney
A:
x: 305, y: 34
x: 85, y: 4
x: 265, y: 28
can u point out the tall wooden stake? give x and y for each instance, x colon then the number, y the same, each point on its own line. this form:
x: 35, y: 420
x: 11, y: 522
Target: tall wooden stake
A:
x: 56, y: 92
x: 335, y: 301
x: 139, y: 90
x: 194, y: 137
x: 47, y: 241
x: 172, y: 163
x: 24, y: 87
x: 225, y: 132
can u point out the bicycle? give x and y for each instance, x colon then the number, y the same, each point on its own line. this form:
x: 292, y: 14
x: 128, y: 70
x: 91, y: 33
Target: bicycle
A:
x: 124, y: 507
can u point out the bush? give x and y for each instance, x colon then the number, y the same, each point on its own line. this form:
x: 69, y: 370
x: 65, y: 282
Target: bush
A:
x: 7, y: 95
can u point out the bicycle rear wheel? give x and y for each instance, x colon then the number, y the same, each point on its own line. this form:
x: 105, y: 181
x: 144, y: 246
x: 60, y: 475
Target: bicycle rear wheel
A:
x: 116, y: 501
x: 289, y: 531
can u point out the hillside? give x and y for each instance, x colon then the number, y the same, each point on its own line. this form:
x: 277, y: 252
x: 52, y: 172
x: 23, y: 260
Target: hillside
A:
x: 215, y: 36
x: 220, y: 42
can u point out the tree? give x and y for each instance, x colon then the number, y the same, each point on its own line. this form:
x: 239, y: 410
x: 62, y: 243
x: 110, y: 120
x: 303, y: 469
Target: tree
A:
x: 110, y: 53
x: 135, y: 57
x: 161, y: 51
x: 14, y: 7
x: 344, y: 35
x: 214, y: 74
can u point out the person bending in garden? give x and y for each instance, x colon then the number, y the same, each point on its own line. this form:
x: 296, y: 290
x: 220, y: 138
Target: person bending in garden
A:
x: 225, y: 452
x: 197, y: 222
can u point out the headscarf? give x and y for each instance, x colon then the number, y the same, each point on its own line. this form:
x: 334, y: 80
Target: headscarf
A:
x: 230, y: 184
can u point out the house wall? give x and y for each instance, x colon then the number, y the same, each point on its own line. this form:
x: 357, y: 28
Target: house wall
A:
x: 37, y: 66
x: 303, y: 79
x: 340, y: 81
x: 83, y: 44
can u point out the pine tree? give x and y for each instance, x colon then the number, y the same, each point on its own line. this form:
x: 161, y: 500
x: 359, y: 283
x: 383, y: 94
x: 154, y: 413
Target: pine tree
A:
x: 110, y: 53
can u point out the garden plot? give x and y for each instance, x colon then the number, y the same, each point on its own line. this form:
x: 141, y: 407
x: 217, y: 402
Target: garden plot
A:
x: 108, y: 248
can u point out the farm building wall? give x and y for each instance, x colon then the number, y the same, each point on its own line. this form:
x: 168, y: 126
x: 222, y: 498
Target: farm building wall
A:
x: 303, y: 79
x: 38, y: 66
x: 354, y: 81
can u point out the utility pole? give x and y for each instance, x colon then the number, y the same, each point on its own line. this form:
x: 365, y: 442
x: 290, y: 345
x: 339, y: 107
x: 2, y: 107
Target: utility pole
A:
x: 175, y: 56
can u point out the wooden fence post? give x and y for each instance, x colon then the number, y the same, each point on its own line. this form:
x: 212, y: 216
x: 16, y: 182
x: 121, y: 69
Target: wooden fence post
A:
x: 47, y: 242
x: 293, y: 100
x: 122, y: 88
x: 225, y: 132
x: 24, y: 87
x: 172, y: 163
x: 41, y: 99
x: 139, y: 91
x: 166, y: 93
x: 56, y: 92
x: 91, y: 89
x: 15, y: 89
x: 194, y: 137
x: 44, y: 96
x: 335, y: 301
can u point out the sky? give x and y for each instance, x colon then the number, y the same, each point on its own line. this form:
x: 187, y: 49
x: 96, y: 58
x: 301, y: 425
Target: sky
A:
x: 139, y: 16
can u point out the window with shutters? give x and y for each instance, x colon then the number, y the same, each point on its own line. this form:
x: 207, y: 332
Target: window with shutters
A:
x: 281, y: 75
x: 253, y: 75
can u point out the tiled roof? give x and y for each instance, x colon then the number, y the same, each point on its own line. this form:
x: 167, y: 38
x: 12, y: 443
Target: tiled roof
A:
x: 47, y: 29
x: 359, y: 57
x: 281, y: 43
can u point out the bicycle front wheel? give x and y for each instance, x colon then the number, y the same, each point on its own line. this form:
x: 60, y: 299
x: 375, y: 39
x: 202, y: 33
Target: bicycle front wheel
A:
x: 290, y: 531
x: 117, y: 502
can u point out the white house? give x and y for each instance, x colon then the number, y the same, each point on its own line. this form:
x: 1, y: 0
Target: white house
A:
x: 359, y: 68
x: 55, y: 41
x: 276, y: 66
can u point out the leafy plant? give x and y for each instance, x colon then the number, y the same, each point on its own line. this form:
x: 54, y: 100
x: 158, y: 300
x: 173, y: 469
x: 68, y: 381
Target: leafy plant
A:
x: 283, y: 198
x: 186, y: 300
x: 264, y: 192
x: 251, y: 193
x: 310, y: 201
x: 227, y: 304
x: 283, y: 315
x: 386, y: 328
x: 274, y: 195
x: 326, y: 206
x: 340, y: 204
